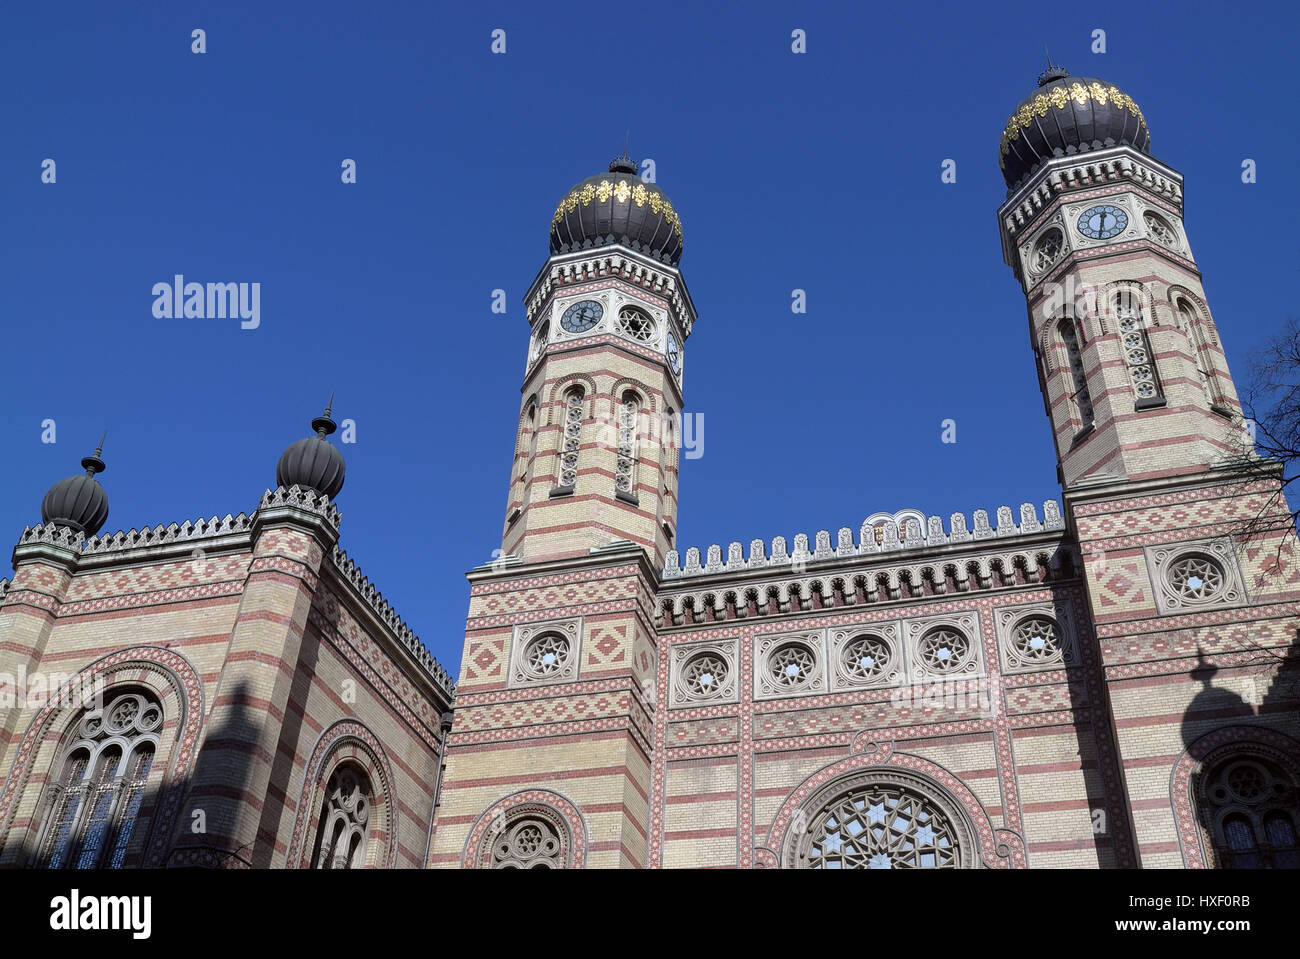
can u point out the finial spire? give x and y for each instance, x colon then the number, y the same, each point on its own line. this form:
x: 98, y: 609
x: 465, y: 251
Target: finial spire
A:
x: 93, y: 464
x: 1053, y: 72
x: 322, y: 424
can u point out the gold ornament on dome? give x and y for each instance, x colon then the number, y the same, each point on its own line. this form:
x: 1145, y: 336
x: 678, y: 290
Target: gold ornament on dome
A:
x: 620, y: 192
x: 1059, y: 98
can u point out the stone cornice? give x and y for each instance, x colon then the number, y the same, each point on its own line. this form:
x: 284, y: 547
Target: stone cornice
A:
x: 1113, y: 487
x: 1061, y: 176
x: 401, y: 639
x: 614, y: 262
x: 616, y: 553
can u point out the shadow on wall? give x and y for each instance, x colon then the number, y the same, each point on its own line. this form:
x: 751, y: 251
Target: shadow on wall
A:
x: 218, y: 787
x: 1112, y: 832
x: 1245, y: 785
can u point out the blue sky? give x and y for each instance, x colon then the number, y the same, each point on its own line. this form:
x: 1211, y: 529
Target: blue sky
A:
x: 818, y: 171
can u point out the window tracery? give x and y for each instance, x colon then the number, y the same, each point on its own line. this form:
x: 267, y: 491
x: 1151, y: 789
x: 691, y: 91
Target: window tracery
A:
x: 572, y: 441
x: 341, y: 838
x: 629, y: 414
x: 98, y: 792
x: 1047, y: 250
x: 529, y: 843
x: 1136, y: 347
x: 881, y: 825
x: 636, y: 324
x: 1251, y: 807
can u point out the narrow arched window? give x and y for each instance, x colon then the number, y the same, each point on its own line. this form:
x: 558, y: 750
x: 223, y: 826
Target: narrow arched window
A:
x: 345, y: 815
x: 98, y: 786
x: 668, y: 458
x: 525, y: 450
x: 1136, y: 347
x: 1187, y: 319
x: 629, y: 413
x: 571, y: 443
x: 1082, y: 398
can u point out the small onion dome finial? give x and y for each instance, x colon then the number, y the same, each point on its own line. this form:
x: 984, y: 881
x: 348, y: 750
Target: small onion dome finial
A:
x: 1052, y: 74
x: 78, y: 502
x: 623, y: 164
x: 313, y: 462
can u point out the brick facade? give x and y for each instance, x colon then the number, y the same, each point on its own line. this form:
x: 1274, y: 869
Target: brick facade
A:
x: 1031, y: 690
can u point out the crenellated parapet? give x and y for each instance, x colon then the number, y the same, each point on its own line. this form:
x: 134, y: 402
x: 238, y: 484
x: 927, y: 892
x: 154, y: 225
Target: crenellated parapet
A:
x: 165, y: 535
x: 304, y: 499
x: 880, y: 533
x: 161, y: 543
x: 351, y: 573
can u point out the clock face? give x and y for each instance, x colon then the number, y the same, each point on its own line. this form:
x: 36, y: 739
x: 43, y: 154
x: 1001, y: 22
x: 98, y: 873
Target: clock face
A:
x: 582, y: 316
x: 674, y: 354
x: 1102, y: 222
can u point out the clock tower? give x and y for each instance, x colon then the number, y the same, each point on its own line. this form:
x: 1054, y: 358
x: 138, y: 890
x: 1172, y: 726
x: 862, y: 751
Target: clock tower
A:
x: 596, y: 448
x: 556, y: 697
x: 1133, y: 376
x: 1190, y: 569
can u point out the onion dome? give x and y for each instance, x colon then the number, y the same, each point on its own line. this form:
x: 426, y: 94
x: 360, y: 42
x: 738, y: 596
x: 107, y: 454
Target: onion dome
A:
x: 1066, y: 116
x: 78, y: 502
x: 617, y: 207
x: 314, y: 462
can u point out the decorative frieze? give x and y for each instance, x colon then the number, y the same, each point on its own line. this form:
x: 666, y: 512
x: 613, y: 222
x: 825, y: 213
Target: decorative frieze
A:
x: 922, y: 578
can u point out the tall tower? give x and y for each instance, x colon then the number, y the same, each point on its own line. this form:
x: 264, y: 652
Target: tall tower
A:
x: 548, y: 759
x: 1146, y: 420
x: 602, y: 394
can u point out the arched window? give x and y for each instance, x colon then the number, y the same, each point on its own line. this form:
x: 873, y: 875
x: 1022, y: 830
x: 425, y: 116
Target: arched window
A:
x: 527, y: 835
x: 1250, y: 805
x: 1082, y: 398
x: 99, y: 783
x: 1187, y: 319
x: 668, y: 450
x: 525, y: 450
x: 572, y: 440
x: 1136, y: 347
x: 341, y: 837
x: 881, y: 820
x: 629, y: 414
